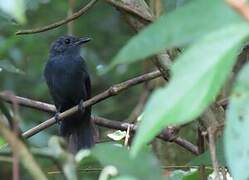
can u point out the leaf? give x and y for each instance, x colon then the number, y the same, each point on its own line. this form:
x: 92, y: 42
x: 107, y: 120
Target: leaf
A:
x: 15, y: 8
x: 205, y: 159
x: 117, y: 135
x: 119, y: 157
x: 63, y: 157
x: 197, y: 77
x: 237, y: 128
x: 7, y: 66
x: 184, y: 25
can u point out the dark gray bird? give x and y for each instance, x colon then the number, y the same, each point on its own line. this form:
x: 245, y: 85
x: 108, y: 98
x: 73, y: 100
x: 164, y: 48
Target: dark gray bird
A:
x: 68, y: 80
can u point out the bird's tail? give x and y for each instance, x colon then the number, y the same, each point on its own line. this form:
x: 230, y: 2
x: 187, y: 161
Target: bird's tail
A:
x: 79, y: 137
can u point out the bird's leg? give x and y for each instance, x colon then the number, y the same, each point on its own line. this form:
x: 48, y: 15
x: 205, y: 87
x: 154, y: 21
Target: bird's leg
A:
x: 81, y: 106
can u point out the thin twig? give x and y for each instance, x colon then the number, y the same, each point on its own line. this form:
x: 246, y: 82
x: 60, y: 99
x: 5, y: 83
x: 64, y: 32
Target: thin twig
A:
x: 162, y: 167
x: 59, y: 23
x: 201, y: 149
x: 15, y: 128
x: 241, y: 7
x: 212, y: 149
x: 127, y: 136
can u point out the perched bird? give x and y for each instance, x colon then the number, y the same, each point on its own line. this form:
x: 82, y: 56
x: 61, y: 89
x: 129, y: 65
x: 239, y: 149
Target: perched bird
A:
x: 69, y: 83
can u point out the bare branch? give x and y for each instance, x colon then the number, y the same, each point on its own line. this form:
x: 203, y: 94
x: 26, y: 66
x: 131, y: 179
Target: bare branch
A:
x: 169, y: 134
x: 212, y: 149
x: 29, y: 103
x: 59, y: 23
x: 112, y: 91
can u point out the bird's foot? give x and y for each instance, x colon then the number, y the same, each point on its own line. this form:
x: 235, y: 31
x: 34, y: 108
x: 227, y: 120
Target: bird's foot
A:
x: 57, y: 118
x: 81, y: 106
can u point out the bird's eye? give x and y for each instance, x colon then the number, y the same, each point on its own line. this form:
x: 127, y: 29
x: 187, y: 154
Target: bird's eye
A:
x: 67, y: 41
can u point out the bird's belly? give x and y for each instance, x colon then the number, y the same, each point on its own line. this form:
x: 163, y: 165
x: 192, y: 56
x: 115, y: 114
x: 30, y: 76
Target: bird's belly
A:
x: 68, y: 88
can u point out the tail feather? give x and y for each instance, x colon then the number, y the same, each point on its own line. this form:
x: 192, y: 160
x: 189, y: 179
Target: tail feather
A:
x: 80, y: 138
x: 78, y: 133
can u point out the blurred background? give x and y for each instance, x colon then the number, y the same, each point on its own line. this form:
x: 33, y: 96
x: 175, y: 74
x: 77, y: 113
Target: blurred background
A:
x: 25, y: 57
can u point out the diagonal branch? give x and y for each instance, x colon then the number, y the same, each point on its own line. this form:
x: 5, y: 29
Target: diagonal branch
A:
x: 168, y: 134
x: 59, y: 23
x: 112, y: 91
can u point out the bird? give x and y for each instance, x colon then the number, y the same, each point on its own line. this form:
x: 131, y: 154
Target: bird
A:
x: 68, y: 81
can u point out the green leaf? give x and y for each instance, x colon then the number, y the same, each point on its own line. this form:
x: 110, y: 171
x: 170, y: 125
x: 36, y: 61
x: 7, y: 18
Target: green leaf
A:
x: 119, y: 157
x: 197, y: 77
x: 237, y: 128
x: 3, y: 143
x: 7, y: 66
x: 15, y: 8
x: 63, y: 157
x: 117, y: 135
x: 205, y: 159
x: 182, y: 26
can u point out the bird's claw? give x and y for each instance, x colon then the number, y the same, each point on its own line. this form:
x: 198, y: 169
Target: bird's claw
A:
x: 56, y: 117
x: 81, y: 106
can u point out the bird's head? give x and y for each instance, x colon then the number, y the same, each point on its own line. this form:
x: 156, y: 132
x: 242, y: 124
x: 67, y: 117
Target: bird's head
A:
x: 67, y: 45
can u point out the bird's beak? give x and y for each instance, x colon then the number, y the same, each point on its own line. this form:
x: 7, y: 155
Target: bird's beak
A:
x: 83, y: 40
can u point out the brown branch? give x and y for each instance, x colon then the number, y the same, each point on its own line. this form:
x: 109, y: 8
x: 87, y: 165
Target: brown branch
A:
x: 201, y: 149
x: 212, y: 148
x: 241, y: 7
x: 59, y: 23
x: 29, y: 103
x: 168, y: 134
x: 112, y: 91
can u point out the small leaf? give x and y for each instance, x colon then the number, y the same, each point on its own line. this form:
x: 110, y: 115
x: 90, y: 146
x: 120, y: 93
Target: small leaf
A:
x: 15, y: 8
x: 197, y: 77
x: 7, y: 66
x: 119, y: 157
x: 184, y: 25
x: 237, y: 128
x: 117, y: 135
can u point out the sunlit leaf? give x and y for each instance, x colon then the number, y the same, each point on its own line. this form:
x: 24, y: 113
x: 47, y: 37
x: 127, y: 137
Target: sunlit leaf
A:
x: 197, y: 77
x: 237, y: 128
x: 117, y: 135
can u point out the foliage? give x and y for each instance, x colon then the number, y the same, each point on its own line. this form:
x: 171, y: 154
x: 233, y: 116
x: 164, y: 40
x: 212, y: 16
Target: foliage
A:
x: 236, y: 133
x: 208, y: 35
